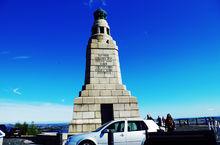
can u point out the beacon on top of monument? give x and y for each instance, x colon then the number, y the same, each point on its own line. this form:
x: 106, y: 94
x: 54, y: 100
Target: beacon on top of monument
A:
x: 101, y: 37
x: 100, y: 14
x: 100, y: 26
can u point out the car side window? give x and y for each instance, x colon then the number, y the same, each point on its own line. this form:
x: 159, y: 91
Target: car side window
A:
x: 136, y: 126
x: 117, y: 126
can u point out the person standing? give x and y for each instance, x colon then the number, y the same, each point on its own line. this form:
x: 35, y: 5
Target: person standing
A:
x: 163, y: 121
x: 149, y: 117
x: 2, y: 134
x: 159, y: 121
x: 169, y: 123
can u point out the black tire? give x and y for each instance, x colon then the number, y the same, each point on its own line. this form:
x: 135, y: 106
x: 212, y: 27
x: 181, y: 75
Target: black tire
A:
x: 87, y: 142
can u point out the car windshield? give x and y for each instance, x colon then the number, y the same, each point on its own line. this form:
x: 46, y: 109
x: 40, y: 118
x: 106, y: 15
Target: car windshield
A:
x: 101, y: 127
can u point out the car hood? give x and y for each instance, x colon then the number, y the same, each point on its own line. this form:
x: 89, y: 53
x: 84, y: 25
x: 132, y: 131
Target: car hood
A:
x: 79, y: 137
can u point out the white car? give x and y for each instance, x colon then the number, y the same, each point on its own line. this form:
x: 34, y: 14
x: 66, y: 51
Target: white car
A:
x: 126, y: 132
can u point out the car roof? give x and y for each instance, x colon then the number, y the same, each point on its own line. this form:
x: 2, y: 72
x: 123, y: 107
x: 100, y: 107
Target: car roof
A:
x: 129, y: 119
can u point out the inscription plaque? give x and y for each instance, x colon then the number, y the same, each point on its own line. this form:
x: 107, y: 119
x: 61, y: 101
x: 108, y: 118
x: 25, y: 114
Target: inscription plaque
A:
x: 103, y: 66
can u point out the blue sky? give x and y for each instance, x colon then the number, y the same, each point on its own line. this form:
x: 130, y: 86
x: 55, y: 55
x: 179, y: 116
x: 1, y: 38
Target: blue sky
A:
x: 169, y: 55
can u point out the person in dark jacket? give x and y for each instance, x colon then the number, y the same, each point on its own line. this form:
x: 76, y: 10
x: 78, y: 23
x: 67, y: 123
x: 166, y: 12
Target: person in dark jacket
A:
x: 169, y: 123
x: 159, y: 121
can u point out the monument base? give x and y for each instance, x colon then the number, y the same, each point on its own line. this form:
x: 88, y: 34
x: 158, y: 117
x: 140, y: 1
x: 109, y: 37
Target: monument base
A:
x: 91, y: 112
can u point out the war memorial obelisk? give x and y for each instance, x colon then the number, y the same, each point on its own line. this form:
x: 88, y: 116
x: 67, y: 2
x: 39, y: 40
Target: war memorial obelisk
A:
x: 103, y: 97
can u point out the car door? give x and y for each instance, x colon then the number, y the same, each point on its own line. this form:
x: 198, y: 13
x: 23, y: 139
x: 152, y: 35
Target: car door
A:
x: 118, y: 129
x: 136, y: 133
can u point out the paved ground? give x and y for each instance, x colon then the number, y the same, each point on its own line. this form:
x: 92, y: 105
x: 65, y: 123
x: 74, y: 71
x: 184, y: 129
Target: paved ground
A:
x: 17, y: 141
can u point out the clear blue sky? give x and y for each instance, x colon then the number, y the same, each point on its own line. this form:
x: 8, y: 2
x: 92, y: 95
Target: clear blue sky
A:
x: 169, y: 53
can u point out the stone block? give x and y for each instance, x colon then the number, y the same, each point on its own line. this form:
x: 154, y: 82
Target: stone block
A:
x: 109, y: 75
x: 103, y: 80
x: 99, y: 86
x: 117, y: 93
x: 92, y: 74
x: 89, y: 87
x: 97, y: 52
x: 79, y: 128
x: 77, y: 108
x: 126, y: 93
x: 78, y: 100
x: 97, y: 125
x: 114, y: 68
x: 92, y: 68
x: 92, y: 127
x: 93, y: 62
x: 134, y: 106
x: 110, y: 87
x: 133, y: 99
x: 116, y: 114
x: 134, y: 113
x: 93, y: 93
x: 124, y: 113
x: 99, y: 75
x: 77, y: 115
x: 72, y: 128
x: 120, y: 87
x: 119, y: 106
x: 84, y: 93
x: 94, y: 121
x: 93, y: 56
x: 88, y: 100
x: 86, y: 128
x: 120, y: 80
x: 94, y: 107
x: 93, y: 45
x: 97, y: 114
x: 106, y: 100
x: 105, y: 93
x: 85, y: 108
x: 123, y: 99
x: 94, y: 40
x: 88, y: 115
x: 127, y: 107
x: 113, y: 80
x: 78, y: 121
x: 94, y: 80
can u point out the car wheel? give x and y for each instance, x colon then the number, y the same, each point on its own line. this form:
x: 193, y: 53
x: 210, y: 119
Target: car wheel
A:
x: 87, y: 142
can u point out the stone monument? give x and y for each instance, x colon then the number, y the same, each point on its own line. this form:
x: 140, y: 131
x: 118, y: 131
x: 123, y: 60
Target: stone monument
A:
x: 103, y: 97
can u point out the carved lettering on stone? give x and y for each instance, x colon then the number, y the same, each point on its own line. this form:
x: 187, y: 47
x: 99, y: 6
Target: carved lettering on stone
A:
x: 103, y: 60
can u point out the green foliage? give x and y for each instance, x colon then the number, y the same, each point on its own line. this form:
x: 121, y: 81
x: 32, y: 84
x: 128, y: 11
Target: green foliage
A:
x: 32, y: 129
x: 27, y: 129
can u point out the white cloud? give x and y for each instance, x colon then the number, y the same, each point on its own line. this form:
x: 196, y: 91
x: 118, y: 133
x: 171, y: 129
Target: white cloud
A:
x: 21, y: 57
x: 211, y: 109
x: 16, y: 91
x: 11, y: 112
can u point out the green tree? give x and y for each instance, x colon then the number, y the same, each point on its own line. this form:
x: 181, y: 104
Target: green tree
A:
x: 27, y: 129
x: 32, y: 129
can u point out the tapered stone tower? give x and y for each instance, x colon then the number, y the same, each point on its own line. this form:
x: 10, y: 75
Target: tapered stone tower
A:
x: 103, y: 96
